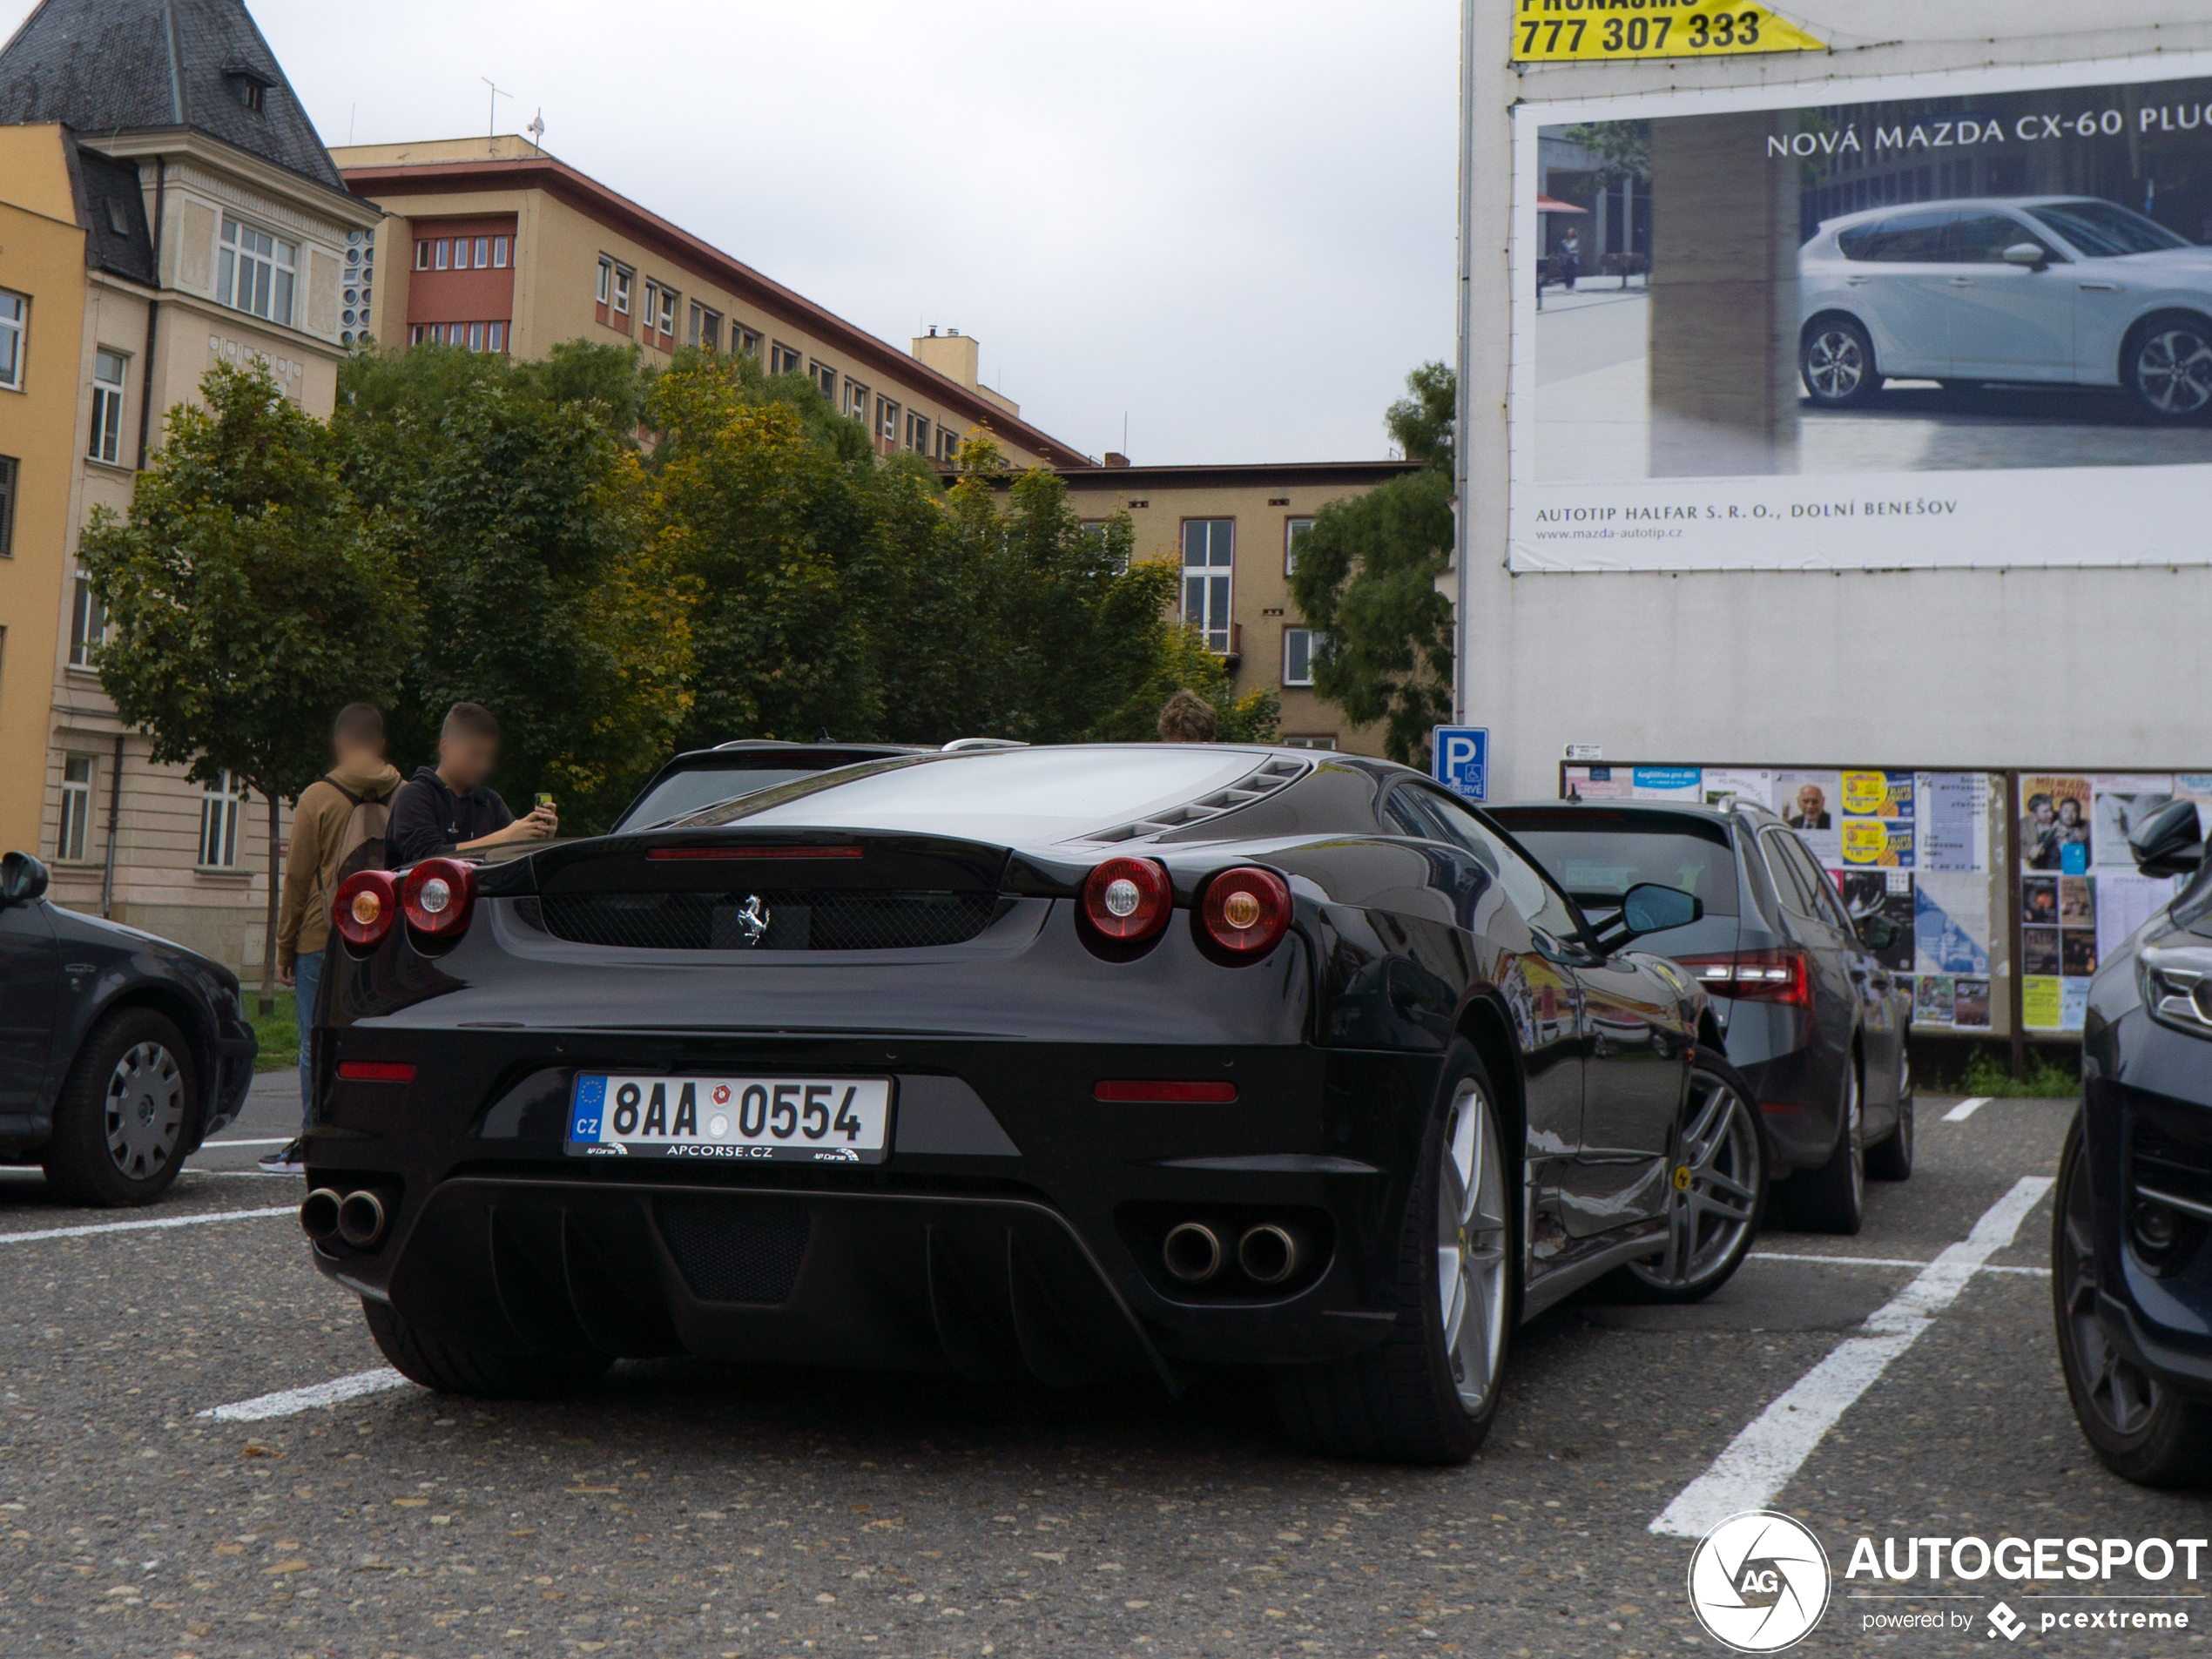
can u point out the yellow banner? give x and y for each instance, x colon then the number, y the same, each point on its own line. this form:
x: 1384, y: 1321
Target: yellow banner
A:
x: 1561, y: 31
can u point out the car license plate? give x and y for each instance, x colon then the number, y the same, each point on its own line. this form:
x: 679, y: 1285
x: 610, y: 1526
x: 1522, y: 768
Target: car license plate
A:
x: 808, y: 1119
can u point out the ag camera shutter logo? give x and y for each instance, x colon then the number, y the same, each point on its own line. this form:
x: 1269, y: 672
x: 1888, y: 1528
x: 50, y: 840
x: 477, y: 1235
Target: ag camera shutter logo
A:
x: 1759, y: 1581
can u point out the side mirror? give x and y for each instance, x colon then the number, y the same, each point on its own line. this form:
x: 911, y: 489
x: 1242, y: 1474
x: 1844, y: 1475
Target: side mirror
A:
x: 2027, y: 253
x: 2168, y: 842
x: 1877, y: 933
x: 22, y: 878
x: 1650, y: 908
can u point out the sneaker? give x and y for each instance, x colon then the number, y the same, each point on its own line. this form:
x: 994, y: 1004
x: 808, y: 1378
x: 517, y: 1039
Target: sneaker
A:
x: 289, y: 1160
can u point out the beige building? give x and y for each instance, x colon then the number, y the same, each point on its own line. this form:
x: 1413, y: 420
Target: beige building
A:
x: 1233, y: 532
x: 492, y: 244
x: 205, y: 224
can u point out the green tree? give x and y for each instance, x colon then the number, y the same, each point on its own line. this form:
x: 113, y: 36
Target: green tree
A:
x: 1624, y: 150
x: 1422, y: 422
x: 1367, y: 580
x: 515, y: 495
x: 250, y: 597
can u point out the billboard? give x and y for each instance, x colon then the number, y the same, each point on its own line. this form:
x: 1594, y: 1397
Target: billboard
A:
x: 1956, y: 320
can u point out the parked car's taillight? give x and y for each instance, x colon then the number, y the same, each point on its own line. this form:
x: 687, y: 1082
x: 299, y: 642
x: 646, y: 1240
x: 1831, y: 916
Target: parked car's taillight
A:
x: 366, y: 906
x: 1246, y: 910
x: 1128, y: 900
x: 1783, y: 975
x: 437, y: 897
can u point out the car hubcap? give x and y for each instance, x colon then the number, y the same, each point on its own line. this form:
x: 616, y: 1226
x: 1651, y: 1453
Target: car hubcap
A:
x: 2174, y: 368
x: 1471, y: 1246
x: 1834, y: 364
x: 2118, y: 1390
x: 1714, y: 1189
x: 145, y: 1109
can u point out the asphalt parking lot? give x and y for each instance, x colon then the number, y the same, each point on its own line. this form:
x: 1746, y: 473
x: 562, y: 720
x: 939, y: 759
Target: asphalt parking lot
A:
x: 690, y: 1509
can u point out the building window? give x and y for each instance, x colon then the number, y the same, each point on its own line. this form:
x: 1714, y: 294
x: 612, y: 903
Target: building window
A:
x: 1328, y: 742
x: 668, y: 312
x: 856, y: 400
x: 1208, y: 554
x: 483, y: 252
x: 255, y: 274
x: 15, y: 318
x: 826, y: 377
x: 499, y: 253
x: 495, y: 336
x: 948, y: 444
x: 221, y: 807
x: 706, y: 328
x: 918, y: 433
x: 887, y: 420
x: 87, y: 626
x: 745, y: 339
x: 623, y: 277
x: 11, y: 469
x: 460, y: 253
x: 782, y: 360
x: 606, y: 281
x: 76, y: 807
x: 422, y: 254
x: 440, y: 253
x: 652, y: 304
x: 1297, y: 655
x: 107, y: 406
x: 475, y: 336
x: 1294, y: 531
x: 1096, y: 528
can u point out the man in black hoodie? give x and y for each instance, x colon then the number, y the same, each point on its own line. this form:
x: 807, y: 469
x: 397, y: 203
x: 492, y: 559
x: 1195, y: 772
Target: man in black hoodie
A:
x: 449, y: 808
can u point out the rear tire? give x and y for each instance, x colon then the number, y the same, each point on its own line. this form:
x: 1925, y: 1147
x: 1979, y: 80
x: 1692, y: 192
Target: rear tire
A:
x: 2166, y: 363
x: 127, y: 1115
x: 482, y: 1373
x: 1891, y: 1157
x: 2140, y: 1429
x: 1430, y: 1392
x: 1832, y: 1198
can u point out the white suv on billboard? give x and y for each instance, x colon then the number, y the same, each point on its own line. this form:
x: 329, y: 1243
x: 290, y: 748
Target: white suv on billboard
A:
x: 2065, y: 289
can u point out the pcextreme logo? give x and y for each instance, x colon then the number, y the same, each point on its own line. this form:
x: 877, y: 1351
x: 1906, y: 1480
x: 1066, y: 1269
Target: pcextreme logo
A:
x: 1759, y: 1581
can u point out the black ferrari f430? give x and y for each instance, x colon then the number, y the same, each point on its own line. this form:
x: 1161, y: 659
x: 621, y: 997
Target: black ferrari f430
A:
x: 1055, y: 1063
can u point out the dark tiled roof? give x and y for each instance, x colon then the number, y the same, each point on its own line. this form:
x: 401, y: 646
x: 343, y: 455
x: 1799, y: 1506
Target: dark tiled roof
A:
x: 100, y: 65
x: 113, y: 213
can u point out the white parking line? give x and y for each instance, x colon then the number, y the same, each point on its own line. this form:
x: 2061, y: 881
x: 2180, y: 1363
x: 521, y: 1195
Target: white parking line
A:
x: 1883, y: 1261
x: 291, y: 1402
x: 1760, y: 1462
x: 145, y: 1226
x: 1965, y: 1109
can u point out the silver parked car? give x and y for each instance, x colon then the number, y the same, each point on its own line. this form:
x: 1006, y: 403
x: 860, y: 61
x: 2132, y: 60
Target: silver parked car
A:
x: 2065, y: 289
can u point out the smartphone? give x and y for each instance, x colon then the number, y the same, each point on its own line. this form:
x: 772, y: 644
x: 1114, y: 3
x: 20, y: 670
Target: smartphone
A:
x: 544, y: 800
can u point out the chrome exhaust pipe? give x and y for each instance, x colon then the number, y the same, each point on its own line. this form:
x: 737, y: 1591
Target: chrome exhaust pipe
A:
x: 1192, y: 1251
x: 361, y: 1218
x: 319, y: 1216
x: 1270, y: 1253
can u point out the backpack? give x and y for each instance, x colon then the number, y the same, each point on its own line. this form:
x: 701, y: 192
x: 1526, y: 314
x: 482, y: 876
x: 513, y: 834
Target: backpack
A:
x: 361, y: 844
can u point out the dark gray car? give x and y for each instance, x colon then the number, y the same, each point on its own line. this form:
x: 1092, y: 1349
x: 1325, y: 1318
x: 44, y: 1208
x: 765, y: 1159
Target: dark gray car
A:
x: 1810, y: 1014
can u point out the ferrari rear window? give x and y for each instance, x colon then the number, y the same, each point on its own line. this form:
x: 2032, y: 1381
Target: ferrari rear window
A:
x: 686, y: 791
x: 1031, y: 795
x: 1596, y: 866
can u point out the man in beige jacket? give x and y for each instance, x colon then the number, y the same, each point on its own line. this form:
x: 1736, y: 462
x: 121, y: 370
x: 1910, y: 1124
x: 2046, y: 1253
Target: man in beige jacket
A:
x: 340, y: 819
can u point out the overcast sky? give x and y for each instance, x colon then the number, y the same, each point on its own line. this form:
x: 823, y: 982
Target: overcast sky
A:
x: 1231, y: 220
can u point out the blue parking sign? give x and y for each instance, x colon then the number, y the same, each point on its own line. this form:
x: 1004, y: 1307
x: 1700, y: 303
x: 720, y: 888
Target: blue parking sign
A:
x: 1462, y: 759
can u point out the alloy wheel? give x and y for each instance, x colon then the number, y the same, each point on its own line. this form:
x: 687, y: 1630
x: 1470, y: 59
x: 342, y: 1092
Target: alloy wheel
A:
x: 1714, y: 1189
x: 2121, y: 1394
x: 1855, y: 1126
x: 1834, y: 365
x: 145, y: 1110
x: 2174, y: 371
x: 1471, y: 1247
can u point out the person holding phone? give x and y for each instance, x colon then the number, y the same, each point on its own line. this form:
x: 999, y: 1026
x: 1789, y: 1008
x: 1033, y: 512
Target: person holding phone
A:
x: 451, y: 807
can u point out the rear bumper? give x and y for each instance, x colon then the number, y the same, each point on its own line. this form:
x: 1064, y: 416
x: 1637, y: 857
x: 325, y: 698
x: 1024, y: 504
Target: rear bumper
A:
x: 1014, y: 1229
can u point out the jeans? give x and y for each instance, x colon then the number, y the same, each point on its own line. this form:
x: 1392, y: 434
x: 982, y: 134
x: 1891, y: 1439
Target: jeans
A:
x: 307, y: 971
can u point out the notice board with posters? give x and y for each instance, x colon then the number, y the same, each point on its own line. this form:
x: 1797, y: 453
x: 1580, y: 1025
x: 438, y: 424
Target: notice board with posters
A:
x: 1953, y: 321
x: 1930, y: 851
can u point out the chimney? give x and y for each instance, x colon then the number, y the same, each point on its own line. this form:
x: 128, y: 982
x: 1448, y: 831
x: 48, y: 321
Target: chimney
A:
x: 951, y: 353
x: 1116, y: 458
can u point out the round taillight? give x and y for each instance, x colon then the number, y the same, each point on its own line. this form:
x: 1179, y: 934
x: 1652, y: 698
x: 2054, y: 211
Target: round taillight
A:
x: 437, y: 897
x: 366, y: 904
x: 1246, y: 910
x: 1128, y: 900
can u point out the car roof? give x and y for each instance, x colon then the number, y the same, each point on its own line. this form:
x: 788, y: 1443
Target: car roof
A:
x: 1843, y: 221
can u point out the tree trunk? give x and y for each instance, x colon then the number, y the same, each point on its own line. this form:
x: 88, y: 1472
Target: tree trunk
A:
x: 268, y: 941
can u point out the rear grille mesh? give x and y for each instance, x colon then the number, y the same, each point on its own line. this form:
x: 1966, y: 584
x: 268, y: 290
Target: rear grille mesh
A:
x: 798, y: 919
x: 745, y: 1252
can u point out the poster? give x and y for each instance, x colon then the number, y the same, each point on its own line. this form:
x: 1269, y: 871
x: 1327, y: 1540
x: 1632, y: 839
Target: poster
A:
x: 1876, y: 794
x: 2074, y: 1004
x: 1887, y: 893
x: 1668, y: 782
x: 1970, y: 1004
x: 1811, y: 804
x: 1727, y: 784
x: 1862, y: 374
x: 2041, y: 1005
x: 1933, y: 1000
x: 2054, y: 823
x: 2040, y: 952
x: 2119, y: 802
x: 1950, y: 922
x: 1597, y: 783
x: 1953, y: 820
x: 2125, y: 902
x: 1886, y: 842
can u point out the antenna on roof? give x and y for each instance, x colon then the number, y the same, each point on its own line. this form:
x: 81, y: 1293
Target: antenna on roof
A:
x: 491, y: 121
x: 537, y: 129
